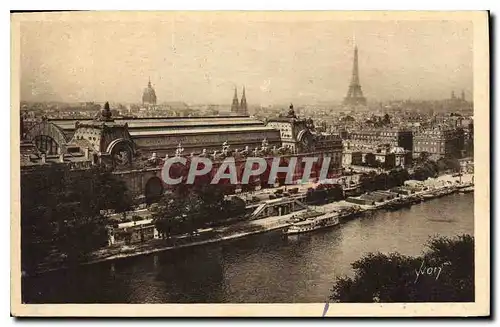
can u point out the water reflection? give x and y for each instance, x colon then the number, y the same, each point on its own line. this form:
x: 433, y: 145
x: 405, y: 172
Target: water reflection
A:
x: 261, y: 268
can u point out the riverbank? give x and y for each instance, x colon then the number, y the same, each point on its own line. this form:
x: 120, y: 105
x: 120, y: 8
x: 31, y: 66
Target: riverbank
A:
x: 297, y: 269
x: 224, y: 233
x: 245, y: 228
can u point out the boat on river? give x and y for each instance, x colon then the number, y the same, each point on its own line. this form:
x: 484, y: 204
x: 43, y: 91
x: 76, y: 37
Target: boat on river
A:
x: 447, y: 190
x: 317, y: 220
x: 349, y: 212
x: 303, y: 216
x: 428, y: 196
x: 415, y: 199
x: 325, y: 220
x: 398, y: 204
x: 467, y: 189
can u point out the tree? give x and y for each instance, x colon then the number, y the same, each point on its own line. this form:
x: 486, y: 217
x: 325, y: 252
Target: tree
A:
x: 212, y: 203
x: 167, y: 215
x: 40, y: 194
x: 335, y: 193
x: 370, y: 159
x: 234, y: 207
x: 393, y: 277
x: 386, y: 120
x: 397, y: 177
x: 423, y: 156
x: 111, y: 192
x: 381, y: 181
x: 60, y: 212
x: 378, y: 164
x: 80, y: 235
x: 442, y: 166
x: 427, y: 169
x: 367, y: 181
x: 452, y: 164
x: 181, y: 212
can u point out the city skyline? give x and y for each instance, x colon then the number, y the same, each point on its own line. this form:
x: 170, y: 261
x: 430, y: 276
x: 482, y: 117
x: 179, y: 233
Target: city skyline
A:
x: 189, y: 158
x: 196, y: 62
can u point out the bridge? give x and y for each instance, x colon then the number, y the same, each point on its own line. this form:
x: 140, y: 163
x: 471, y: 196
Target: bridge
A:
x: 280, y: 206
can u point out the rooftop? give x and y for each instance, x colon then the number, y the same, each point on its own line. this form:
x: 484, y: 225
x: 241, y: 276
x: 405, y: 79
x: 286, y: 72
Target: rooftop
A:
x: 233, y: 129
x: 167, y: 122
x: 36, y: 160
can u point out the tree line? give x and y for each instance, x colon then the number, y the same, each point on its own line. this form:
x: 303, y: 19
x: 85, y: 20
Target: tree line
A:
x: 186, y: 209
x: 61, y: 212
x: 425, y: 167
x: 443, y: 273
x: 382, y: 181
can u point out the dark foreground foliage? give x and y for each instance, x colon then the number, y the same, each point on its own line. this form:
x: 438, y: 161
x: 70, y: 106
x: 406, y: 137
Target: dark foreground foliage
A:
x: 393, y: 278
x: 60, y: 212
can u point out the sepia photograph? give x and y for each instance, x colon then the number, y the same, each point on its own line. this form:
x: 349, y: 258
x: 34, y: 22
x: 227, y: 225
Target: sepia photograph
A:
x: 170, y: 163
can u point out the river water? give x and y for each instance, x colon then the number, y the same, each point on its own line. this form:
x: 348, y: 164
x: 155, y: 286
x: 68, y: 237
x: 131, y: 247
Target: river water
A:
x: 261, y: 268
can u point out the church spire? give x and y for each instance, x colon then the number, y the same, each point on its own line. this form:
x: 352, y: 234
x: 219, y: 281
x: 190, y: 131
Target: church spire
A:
x: 235, y: 105
x: 243, y: 105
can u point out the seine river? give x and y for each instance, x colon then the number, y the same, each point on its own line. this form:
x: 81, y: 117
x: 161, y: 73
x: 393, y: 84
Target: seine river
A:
x: 260, y: 268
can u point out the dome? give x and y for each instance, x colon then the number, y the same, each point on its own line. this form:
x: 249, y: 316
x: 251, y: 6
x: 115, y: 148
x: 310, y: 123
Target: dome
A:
x: 149, y: 95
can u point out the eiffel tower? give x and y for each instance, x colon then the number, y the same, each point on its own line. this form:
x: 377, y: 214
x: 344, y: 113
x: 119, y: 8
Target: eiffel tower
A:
x: 354, y: 94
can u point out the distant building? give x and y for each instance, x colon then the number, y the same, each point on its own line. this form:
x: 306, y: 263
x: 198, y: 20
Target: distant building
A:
x: 367, y: 138
x: 235, y: 106
x: 439, y: 142
x: 295, y: 132
x: 123, y: 139
x: 43, y: 150
x: 393, y: 157
x: 458, y: 103
x: 238, y: 108
x: 352, y: 158
x: 299, y: 135
x: 149, y: 95
x: 243, y: 104
x: 381, y: 157
x: 136, y: 147
x: 354, y: 97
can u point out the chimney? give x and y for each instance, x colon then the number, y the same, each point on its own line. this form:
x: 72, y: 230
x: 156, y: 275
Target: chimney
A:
x: 61, y: 157
x: 44, y: 161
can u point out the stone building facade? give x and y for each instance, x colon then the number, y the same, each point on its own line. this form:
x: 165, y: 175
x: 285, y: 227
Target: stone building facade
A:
x: 439, y: 142
x: 368, y: 138
x: 136, y: 148
x: 298, y: 135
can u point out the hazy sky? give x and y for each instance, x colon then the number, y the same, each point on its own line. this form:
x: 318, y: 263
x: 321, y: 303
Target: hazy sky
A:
x: 200, y: 61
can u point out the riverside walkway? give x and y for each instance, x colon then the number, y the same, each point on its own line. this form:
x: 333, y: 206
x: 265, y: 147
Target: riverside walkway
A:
x: 231, y: 231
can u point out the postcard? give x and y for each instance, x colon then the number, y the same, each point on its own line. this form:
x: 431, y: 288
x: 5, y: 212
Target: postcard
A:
x: 251, y: 164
